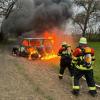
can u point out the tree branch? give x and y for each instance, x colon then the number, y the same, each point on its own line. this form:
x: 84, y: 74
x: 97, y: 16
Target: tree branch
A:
x: 10, y: 8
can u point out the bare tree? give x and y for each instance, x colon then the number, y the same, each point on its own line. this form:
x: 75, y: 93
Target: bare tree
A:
x: 5, y: 9
x: 90, y: 12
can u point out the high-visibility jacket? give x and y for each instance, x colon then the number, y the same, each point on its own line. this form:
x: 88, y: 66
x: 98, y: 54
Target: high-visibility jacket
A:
x: 78, y: 57
x: 64, y: 53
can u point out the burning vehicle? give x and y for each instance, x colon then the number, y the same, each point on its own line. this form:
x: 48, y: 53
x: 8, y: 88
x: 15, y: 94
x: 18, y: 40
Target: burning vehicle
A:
x: 34, y: 48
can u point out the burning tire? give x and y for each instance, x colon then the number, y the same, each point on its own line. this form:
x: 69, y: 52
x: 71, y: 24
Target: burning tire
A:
x: 34, y: 56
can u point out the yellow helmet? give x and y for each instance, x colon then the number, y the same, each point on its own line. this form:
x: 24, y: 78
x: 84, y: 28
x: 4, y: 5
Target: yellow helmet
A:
x: 64, y: 43
x: 83, y: 40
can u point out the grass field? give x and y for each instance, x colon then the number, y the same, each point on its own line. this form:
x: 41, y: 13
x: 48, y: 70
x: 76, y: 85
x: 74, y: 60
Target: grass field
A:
x: 96, y: 46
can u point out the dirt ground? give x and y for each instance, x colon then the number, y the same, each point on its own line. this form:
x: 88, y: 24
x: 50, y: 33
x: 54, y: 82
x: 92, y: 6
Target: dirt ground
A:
x: 21, y: 79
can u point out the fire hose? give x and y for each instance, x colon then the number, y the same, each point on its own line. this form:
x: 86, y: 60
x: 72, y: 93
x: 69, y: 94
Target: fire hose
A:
x: 98, y: 86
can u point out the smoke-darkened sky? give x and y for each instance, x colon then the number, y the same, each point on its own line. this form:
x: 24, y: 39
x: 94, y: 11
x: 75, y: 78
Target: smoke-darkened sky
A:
x: 37, y: 15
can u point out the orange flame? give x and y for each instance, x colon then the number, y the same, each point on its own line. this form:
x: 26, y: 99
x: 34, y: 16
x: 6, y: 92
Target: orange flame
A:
x: 31, y: 51
x: 57, y: 38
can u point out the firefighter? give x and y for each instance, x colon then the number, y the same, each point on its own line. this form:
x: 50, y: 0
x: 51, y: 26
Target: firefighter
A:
x: 65, y: 61
x: 83, y: 59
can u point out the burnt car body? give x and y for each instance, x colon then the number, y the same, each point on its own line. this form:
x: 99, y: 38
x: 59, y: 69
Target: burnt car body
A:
x: 35, y: 47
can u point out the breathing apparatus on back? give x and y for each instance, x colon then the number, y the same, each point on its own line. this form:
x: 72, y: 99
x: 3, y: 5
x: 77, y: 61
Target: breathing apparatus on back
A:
x: 87, y: 53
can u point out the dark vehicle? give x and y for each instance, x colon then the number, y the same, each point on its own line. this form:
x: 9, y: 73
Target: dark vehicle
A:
x: 33, y: 47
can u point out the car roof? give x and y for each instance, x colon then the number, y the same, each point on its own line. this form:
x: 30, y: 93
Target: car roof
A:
x: 37, y: 38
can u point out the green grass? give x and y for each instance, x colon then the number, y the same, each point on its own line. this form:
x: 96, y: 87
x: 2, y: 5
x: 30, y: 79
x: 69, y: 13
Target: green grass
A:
x: 96, y: 46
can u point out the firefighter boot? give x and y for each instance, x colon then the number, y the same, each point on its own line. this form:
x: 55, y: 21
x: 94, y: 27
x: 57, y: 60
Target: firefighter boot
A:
x: 75, y: 92
x: 93, y: 93
x: 60, y: 76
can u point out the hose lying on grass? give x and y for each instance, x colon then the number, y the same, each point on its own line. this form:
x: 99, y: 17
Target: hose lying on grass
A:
x: 98, y: 86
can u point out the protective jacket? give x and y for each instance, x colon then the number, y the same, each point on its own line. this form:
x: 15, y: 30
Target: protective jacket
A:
x: 83, y: 58
x: 65, y: 54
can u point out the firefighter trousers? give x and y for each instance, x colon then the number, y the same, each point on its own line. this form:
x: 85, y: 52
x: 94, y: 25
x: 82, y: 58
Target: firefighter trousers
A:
x: 89, y: 79
x: 64, y: 65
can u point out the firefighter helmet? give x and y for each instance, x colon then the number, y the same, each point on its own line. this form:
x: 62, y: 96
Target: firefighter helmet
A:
x: 83, y: 40
x: 65, y: 44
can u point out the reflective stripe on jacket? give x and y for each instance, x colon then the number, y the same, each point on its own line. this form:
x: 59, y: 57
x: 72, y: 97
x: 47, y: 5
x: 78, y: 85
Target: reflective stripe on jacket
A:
x: 80, y: 66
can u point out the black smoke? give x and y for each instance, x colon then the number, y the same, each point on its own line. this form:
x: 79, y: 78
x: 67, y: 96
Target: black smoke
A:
x: 37, y: 15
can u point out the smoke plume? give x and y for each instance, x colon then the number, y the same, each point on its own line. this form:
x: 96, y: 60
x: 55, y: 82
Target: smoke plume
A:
x: 37, y: 15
